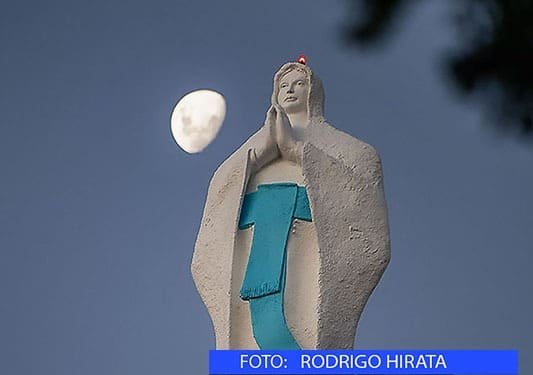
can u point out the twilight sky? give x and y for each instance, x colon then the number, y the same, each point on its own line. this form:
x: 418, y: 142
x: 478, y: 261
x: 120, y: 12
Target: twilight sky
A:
x: 99, y: 209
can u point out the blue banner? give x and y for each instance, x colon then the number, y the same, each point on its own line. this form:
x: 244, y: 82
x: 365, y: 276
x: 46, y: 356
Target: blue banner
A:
x: 446, y: 362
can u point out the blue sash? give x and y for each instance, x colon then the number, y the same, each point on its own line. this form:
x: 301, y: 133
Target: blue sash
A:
x: 271, y: 210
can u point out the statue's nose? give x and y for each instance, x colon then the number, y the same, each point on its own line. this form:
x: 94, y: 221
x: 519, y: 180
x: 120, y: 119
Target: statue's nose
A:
x: 290, y: 90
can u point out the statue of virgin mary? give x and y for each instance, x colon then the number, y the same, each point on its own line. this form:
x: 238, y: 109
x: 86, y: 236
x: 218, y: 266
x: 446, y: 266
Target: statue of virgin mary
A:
x: 294, y: 236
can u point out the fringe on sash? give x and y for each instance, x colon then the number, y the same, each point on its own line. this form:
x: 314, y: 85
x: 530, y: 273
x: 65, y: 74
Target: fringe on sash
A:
x: 262, y: 290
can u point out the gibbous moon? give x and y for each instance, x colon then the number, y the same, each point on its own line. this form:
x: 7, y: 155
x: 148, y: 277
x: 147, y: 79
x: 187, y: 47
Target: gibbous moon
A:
x: 197, y: 118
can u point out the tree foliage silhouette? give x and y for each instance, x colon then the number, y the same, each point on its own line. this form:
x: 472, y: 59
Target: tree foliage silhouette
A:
x: 494, y: 61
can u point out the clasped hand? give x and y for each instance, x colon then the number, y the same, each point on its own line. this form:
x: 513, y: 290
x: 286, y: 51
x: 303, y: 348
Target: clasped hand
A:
x: 279, y: 140
x: 282, y: 133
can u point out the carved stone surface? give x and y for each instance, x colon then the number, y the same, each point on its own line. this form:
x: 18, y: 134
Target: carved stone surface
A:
x: 334, y: 262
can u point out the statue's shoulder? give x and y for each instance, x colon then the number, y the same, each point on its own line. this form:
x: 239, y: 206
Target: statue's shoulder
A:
x: 344, y: 147
x: 236, y: 162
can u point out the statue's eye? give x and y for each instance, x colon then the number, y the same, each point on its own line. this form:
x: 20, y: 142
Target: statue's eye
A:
x: 284, y: 85
x: 300, y: 83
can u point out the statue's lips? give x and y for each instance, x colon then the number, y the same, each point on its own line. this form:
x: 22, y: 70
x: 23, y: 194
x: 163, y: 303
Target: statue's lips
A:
x: 291, y: 99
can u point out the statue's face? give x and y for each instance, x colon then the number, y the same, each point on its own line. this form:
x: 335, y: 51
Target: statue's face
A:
x: 293, y: 92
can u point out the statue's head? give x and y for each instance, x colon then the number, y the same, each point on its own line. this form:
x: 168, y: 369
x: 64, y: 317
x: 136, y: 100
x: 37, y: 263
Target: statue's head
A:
x: 297, y: 89
x: 293, y: 90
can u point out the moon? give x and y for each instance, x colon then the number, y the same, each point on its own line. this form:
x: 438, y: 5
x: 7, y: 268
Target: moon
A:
x: 196, y: 119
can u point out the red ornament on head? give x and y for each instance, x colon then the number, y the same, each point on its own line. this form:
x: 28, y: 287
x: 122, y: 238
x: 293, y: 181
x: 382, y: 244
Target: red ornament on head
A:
x: 302, y: 59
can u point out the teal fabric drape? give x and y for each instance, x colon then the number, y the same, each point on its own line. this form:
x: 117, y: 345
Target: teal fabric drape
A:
x: 271, y: 210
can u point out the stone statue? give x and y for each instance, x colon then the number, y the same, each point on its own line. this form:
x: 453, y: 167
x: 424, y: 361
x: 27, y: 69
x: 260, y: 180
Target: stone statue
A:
x: 294, y: 236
